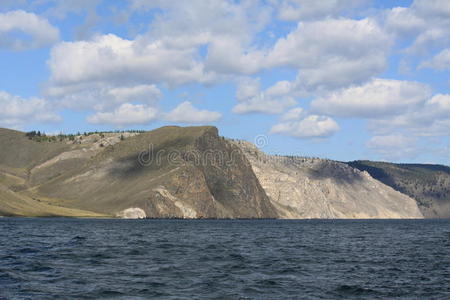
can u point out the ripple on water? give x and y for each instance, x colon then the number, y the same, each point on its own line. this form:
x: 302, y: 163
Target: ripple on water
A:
x: 255, y: 259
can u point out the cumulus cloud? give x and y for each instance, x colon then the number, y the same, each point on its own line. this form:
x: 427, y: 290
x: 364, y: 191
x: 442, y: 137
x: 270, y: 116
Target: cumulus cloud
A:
x: 403, y: 21
x: 187, y: 113
x: 103, y: 96
x: 248, y: 88
x: 439, y: 9
x: 427, y: 22
x: 294, y: 10
x: 329, y: 54
x: 273, y: 100
x: 429, y: 119
x: 264, y: 104
x: 17, y: 111
x: 227, y: 56
x: 194, y: 22
x: 312, y: 126
x: 170, y: 52
x: 375, y: 99
x: 109, y: 58
x: 439, y: 62
x: 333, y: 53
x: 38, y: 31
x: 293, y: 114
x: 126, y: 114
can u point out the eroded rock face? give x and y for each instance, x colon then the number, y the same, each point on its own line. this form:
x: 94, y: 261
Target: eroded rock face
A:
x: 132, y: 213
x: 318, y: 188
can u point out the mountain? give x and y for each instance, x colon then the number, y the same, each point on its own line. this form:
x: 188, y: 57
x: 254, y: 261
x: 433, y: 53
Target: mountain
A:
x: 192, y: 172
x: 169, y: 172
x: 428, y: 184
x: 319, y: 188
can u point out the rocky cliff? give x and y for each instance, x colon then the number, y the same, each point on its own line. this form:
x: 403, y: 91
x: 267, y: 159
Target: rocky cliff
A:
x: 170, y: 172
x: 428, y: 184
x: 318, y: 188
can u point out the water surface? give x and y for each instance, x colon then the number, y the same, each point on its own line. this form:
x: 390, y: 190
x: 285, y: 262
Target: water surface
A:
x: 229, y: 259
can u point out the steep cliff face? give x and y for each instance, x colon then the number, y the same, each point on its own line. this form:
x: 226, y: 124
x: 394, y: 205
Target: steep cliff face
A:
x: 318, y: 188
x: 169, y: 172
x: 429, y: 185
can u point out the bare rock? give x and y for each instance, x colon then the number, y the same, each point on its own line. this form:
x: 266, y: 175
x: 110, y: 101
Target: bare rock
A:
x: 301, y: 187
x: 132, y: 213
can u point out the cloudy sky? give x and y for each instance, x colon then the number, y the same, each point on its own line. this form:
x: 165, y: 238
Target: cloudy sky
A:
x: 343, y: 79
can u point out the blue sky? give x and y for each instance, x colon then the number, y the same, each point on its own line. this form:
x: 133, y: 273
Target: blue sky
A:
x: 342, y: 79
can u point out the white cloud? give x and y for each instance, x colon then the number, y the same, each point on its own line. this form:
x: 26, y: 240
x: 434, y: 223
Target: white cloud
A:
x: 227, y: 56
x: 333, y: 53
x: 429, y: 119
x: 273, y: 100
x: 404, y: 22
x: 16, y: 111
x: 109, y: 58
x: 440, y: 104
x: 313, y: 126
x: 103, y: 96
x: 188, y: 23
x: 294, y: 10
x: 248, y: 88
x: 329, y: 54
x: 169, y: 52
x: 126, y: 114
x: 434, y: 37
x: 264, y: 104
x: 293, y: 114
x: 187, y: 113
x: 427, y: 22
x: 143, y: 93
x: 394, y: 146
x: 39, y: 31
x: 433, y: 9
x: 439, y: 62
x: 377, y: 98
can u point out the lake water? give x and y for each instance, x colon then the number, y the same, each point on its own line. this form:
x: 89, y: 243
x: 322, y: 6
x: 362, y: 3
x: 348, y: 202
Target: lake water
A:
x: 226, y: 259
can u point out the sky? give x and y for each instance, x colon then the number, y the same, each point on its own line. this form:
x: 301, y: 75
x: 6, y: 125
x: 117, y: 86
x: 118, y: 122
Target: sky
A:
x: 339, y: 79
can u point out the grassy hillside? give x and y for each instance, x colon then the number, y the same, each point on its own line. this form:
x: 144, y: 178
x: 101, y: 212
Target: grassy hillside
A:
x: 429, y: 185
x: 19, y: 152
x: 20, y: 205
x: 161, y: 172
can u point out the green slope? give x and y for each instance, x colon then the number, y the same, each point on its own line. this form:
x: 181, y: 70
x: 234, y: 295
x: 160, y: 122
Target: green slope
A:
x: 19, y: 153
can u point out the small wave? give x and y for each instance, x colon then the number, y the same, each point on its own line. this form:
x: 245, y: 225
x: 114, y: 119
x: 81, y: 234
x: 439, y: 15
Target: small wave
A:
x: 354, y: 290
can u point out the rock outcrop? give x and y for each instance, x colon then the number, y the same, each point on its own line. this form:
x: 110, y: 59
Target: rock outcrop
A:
x: 132, y: 213
x: 318, y: 188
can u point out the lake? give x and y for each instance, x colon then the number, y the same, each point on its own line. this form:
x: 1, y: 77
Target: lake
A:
x: 227, y: 259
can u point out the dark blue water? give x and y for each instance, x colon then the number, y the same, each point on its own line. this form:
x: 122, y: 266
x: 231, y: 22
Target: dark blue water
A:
x: 255, y: 259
